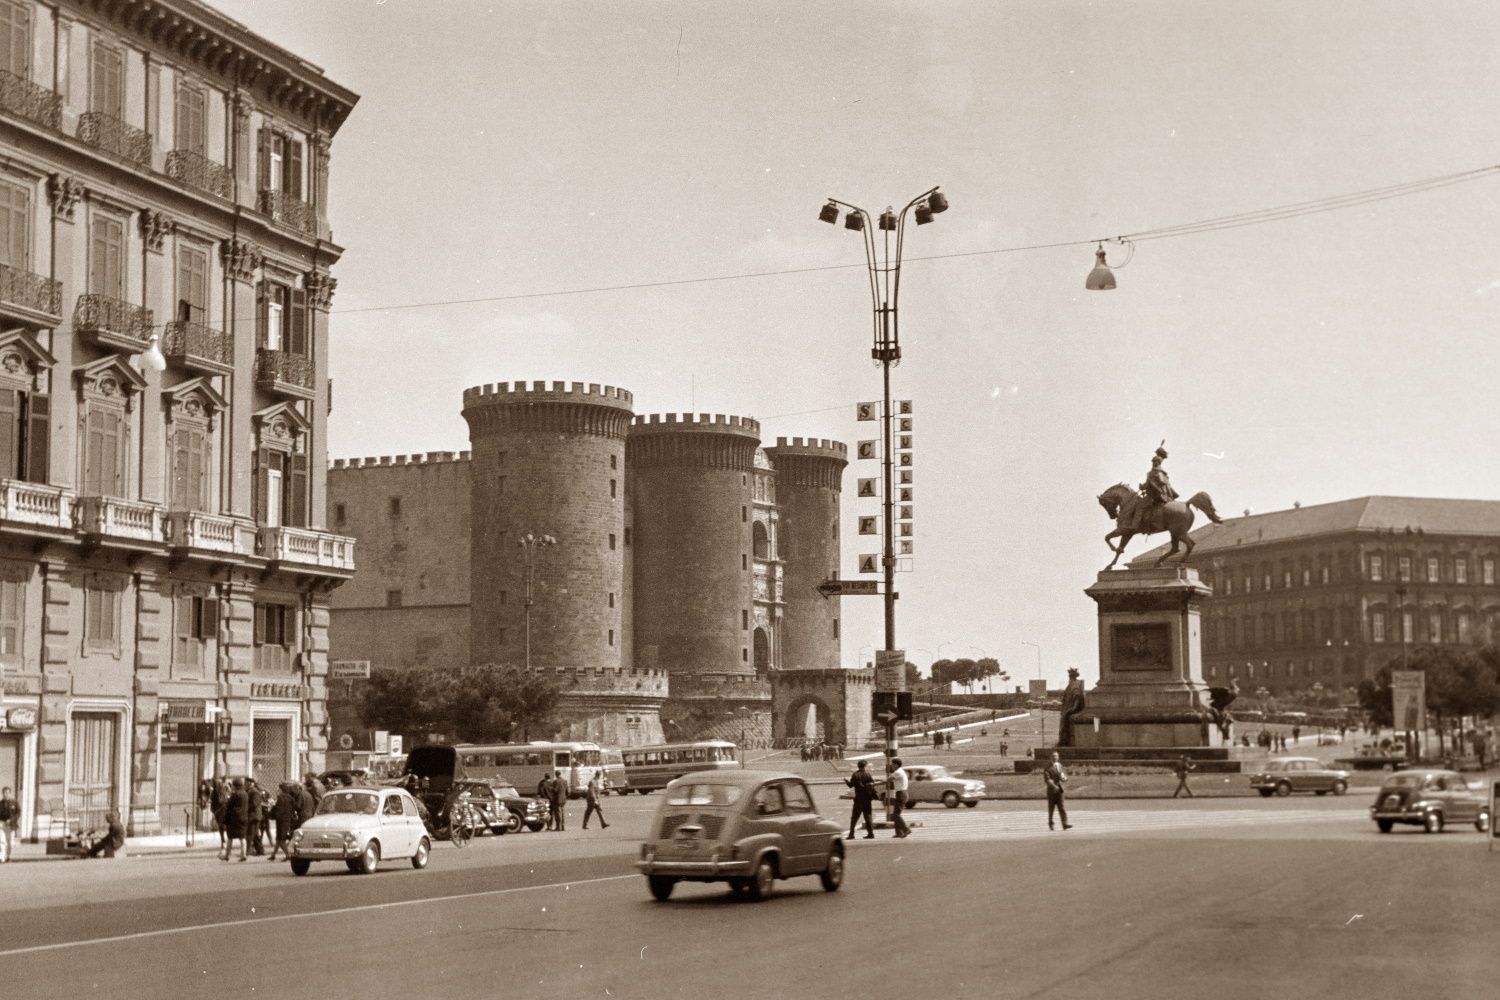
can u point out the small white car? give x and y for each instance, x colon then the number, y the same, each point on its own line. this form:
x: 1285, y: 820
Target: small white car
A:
x: 359, y: 826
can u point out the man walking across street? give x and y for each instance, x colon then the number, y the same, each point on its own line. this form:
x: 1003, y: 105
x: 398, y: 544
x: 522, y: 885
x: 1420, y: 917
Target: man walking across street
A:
x: 1055, y: 778
x: 1184, y: 766
x: 864, y: 797
x: 591, y: 795
x: 10, y: 817
x: 899, y: 784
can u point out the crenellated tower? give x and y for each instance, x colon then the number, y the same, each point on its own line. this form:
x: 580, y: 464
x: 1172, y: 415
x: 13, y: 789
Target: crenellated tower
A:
x: 809, y: 483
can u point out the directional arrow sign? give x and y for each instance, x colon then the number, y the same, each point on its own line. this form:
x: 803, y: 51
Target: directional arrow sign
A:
x: 844, y: 588
x: 886, y: 716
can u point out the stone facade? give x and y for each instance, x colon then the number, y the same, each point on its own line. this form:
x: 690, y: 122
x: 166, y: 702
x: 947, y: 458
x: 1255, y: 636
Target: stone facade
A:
x: 836, y: 701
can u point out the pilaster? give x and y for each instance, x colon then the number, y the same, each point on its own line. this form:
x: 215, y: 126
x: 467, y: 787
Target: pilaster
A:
x: 320, y: 286
x: 241, y: 260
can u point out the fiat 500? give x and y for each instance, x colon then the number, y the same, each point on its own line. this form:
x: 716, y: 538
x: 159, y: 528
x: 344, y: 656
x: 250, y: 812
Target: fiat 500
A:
x: 359, y: 826
x: 747, y: 828
x: 1430, y: 799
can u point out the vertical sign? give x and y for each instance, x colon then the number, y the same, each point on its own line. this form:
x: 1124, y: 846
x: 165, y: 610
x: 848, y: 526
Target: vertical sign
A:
x: 890, y: 670
x: 1409, y: 702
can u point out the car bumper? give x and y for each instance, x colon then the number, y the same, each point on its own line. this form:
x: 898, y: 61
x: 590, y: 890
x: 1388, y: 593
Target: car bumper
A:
x: 694, y: 869
x: 1399, y: 815
x: 338, y: 852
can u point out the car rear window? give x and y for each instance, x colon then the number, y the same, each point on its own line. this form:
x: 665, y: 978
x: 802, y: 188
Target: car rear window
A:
x: 359, y: 803
x: 703, y: 795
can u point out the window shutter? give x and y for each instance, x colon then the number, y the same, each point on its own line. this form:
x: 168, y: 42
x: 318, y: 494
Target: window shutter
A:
x: 263, y: 159
x: 11, y: 433
x: 182, y: 629
x: 260, y: 625
x: 260, y: 473
x: 293, y: 185
x: 297, y: 342
x: 15, y: 57
x: 295, y: 506
x: 208, y: 626
x: 204, y: 458
x: 260, y: 314
x: 38, y: 438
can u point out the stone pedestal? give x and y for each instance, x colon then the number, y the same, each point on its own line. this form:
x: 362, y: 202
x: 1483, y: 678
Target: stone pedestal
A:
x: 1150, y: 694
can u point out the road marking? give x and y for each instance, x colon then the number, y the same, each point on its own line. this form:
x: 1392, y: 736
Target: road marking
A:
x: 114, y: 939
x: 1015, y: 825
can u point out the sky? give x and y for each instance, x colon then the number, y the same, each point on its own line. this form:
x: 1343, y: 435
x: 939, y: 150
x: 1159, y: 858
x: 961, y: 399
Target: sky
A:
x: 529, y: 153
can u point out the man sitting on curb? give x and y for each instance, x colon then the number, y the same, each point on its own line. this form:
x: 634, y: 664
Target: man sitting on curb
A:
x: 112, y: 840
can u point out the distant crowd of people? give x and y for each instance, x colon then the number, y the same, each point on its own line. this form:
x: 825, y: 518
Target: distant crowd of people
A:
x: 822, y: 751
x: 246, y: 813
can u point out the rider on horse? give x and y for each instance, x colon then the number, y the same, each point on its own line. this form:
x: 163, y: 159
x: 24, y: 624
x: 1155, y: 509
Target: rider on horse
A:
x: 1158, y: 486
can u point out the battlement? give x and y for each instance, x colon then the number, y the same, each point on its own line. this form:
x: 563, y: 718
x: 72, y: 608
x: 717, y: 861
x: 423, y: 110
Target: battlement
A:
x: 504, y: 393
x: 809, y: 448
x: 603, y: 680
x: 375, y: 461
x: 688, y: 423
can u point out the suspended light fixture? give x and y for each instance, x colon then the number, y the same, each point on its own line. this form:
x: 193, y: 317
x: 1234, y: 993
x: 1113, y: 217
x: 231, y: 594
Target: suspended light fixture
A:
x: 923, y: 214
x: 829, y: 214
x: 938, y: 201
x: 153, y: 356
x: 855, y: 221
x: 888, y: 221
x: 1101, y: 278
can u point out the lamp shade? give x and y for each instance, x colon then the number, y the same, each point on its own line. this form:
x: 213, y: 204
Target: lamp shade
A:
x: 923, y: 215
x: 829, y: 214
x: 153, y: 356
x: 854, y: 221
x: 888, y: 220
x: 938, y: 201
x: 1101, y: 278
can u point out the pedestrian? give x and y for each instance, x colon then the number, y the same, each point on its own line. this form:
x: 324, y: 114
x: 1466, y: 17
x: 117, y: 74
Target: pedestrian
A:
x: 1055, y: 778
x: 898, y: 786
x: 560, y: 803
x: 110, y: 841
x: 285, y: 812
x: 863, y: 785
x: 235, y: 817
x: 307, y: 803
x: 544, y: 792
x: 316, y: 787
x: 218, y: 797
x: 592, y: 794
x: 256, y: 798
x: 1183, y: 767
x: 1296, y: 734
x: 10, y: 818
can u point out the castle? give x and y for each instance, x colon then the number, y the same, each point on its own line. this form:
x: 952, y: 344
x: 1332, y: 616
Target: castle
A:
x: 683, y: 576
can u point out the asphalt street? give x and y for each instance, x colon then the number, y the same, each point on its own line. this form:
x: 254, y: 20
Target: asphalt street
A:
x: 1231, y: 898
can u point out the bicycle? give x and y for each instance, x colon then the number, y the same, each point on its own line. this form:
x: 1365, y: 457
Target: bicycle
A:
x: 462, y: 822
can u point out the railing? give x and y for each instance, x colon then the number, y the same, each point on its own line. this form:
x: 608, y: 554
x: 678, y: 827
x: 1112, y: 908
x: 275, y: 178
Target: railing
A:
x: 195, y: 343
x: 197, y: 170
x: 108, y: 133
x: 31, y: 292
x: 274, y: 369
x: 32, y: 102
x: 34, y: 503
x: 293, y: 212
x: 118, y: 323
x: 192, y: 529
x: 308, y: 548
x: 113, y: 517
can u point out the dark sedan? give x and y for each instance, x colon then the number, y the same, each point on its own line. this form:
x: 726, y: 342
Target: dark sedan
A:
x: 1428, y: 798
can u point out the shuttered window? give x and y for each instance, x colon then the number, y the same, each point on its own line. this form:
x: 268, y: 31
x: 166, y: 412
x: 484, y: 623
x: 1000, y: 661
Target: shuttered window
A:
x: 190, y: 120
x: 275, y: 637
x: 15, y: 39
x: 15, y: 225
x: 281, y: 163
x: 12, y: 596
x: 101, y: 618
x: 196, y: 625
x: 191, y: 463
x: 25, y: 435
x: 192, y: 284
x: 107, y: 80
x: 104, y: 452
x: 107, y: 256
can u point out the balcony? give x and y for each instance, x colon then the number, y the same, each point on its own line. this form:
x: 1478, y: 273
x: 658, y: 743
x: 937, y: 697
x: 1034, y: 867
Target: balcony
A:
x: 108, y: 133
x: 200, y: 347
x: 198, y: 171
x: 284, y: 373
x: 35, y: 506
x: 208, y: 534
x: 113, y: 519
x: 36, y: 104
x: 29, y: 298
x: 112, y: 323
x: 304, y: 547
x: 289, y: 211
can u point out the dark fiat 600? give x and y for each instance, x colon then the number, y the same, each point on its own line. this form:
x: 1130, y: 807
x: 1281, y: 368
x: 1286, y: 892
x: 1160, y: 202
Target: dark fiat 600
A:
x: 747, y: 828
x: 1430, y: 799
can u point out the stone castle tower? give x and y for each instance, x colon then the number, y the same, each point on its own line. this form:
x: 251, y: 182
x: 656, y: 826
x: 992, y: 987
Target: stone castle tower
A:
x: 809, y: 483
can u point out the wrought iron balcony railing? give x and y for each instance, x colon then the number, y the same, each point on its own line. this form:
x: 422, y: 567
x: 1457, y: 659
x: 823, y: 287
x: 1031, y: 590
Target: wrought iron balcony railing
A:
x: 32, y: 102
x: 284, y: 372
x: 112, y: 135
x: 113, y: 323
x: 197, y: 346
x: 289, y: 211
x: 28, y: 294
x: 198, y: 171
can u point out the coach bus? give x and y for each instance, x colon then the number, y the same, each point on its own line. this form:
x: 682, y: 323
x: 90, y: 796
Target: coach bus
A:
x: 522, y: 764
x: 652, y: 767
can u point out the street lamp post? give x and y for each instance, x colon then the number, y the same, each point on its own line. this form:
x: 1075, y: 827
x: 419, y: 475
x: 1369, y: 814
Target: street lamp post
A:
x: 885, y: 289
x: 1041, y: 712
x: 529, y: 545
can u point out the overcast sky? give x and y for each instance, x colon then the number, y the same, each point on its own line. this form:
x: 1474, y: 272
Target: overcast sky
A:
x: 515, y: 149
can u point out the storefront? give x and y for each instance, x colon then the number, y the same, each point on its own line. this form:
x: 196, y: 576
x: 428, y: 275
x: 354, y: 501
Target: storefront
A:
x: 276, y: 737
x: 186, y: 759
x: 18, y: 727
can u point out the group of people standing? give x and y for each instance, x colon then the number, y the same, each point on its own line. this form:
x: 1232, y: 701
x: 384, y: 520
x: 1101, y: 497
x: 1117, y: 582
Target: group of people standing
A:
x: 243, y: 811
x: 554, y: 791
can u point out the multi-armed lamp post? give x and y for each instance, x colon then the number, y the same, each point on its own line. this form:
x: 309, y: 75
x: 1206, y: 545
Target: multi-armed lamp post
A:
x: 885, y: 287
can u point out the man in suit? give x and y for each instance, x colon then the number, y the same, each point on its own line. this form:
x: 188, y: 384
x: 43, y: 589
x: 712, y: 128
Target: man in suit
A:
x: 1055, y: 778
x: 864, y: 797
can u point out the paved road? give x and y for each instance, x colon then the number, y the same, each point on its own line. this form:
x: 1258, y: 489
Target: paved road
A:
x: 1166, y: 899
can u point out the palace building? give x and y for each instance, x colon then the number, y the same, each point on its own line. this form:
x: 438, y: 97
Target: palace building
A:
x: 165, y: 567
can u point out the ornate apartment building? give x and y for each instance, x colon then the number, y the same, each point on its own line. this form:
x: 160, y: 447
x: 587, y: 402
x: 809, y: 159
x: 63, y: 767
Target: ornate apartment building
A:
x: 164, y: 291
x: 1328, y: 594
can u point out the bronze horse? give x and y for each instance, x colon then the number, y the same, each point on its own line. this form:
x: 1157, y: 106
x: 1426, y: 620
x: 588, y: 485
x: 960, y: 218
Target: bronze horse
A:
x: 1134, y: 515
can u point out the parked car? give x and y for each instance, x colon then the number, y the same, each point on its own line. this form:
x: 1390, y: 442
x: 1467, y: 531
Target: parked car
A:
x: 525, y: 812
x: 1329, y: 739
x: 1285, y: 775
x: 359, y: 826
x: 1428, y: 798
x: 933, y: 783
x: 747, y: 828
x: 494, y: 814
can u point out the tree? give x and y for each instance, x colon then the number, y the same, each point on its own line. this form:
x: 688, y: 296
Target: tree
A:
x: 480, y: 703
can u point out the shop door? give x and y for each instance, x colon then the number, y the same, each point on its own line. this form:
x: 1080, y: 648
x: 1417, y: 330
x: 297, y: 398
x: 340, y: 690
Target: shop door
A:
x: 10, y: 763
x: 91, y: 783
x: 180, y: 769
x: 273, y: 744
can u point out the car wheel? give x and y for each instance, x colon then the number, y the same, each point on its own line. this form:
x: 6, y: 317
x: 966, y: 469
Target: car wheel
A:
x: 661, y: 887
x: 1340, y: 787
x: 950, y: 799
x: 1283, y: 788
x: 1433, y: 822
x: 1384, y: 825
x: 536, y: 826
x: 1265, y: 793
x: 424, y: 851
x: 763, y: 881
x: 353, y: 865
x: 370, y: 860
x: 1482, y: 822
x: 513, y: 824
x: 971, y: 805
x: 832, y: 875
x: 300, y: 866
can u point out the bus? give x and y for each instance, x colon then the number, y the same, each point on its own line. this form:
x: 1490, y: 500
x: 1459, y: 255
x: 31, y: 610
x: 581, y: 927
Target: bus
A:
x: 652, y: 767
x: 521, y: 764
x: 612, y: 767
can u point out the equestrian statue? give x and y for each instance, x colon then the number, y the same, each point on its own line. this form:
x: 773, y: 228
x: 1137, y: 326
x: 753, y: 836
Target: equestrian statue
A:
x: 1155, y: 507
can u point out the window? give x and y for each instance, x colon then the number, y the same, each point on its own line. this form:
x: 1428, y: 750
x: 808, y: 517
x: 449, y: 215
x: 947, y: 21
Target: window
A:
x: 1377, y: 626
x: 191, y: 119
x: 25, y: 435
x: 339, y: 513
x: 395, y: 506
x: 15, y: 39
x: 1434, y: 626
x: 1228, y: 586
x: 12, y: 602
x: 196, y: 623
x: 835, y: 628
x: 1306, y: 576
x: 1464, y: 626
x: 192, y: 462
x: 280, y: 163
x: 1487, y: 571
x: 1403, y: 568
x: 107, y: 256
x: 393, y: 598
x: 1286, y: 579
x: 1461, y: 570
x: 192, y: 284
x: 101, y: 616
x: 1377, y: 569
x: 1265, y: 580
x: 281, y: 318
x: 744, y: 561
x: 611, y: 637
x: 280, y: 488
x: 744, y: 620
x: 627, y: 538
x: 107, y: 80
x: 275, y: 635
x: 611, y: 598
x: 612, y: 493
x: 104, y: 450
x: 614, y: 462
x: 744, y: 655
x: 797, y: 799
x: 611, y: 541
x: 1434, y: 573
x: 15, y: 218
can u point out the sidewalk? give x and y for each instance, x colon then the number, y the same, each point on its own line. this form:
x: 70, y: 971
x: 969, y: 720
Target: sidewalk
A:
x: 144, y: 846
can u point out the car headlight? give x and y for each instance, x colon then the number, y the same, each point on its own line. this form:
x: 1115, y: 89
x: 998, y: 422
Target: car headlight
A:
x: 349, y: 838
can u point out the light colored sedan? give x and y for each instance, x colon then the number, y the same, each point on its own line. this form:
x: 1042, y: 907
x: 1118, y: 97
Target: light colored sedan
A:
x: 1285, y: 775
x: 359, y: 826
x: 933, y: 783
